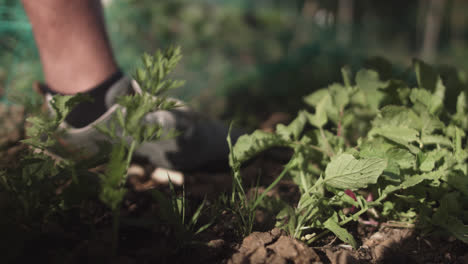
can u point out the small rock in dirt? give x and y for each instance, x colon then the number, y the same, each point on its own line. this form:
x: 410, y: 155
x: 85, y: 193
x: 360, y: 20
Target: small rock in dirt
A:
x: 162, y: 176
x: 254, y: 241
x: 293, y: 250
x: 276, y: 232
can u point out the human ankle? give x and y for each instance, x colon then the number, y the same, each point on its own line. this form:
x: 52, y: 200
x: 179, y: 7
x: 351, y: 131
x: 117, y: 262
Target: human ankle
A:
x: 87, y: 112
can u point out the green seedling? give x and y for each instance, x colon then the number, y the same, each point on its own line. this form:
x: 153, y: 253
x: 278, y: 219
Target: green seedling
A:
x: 174, y: 213
x: 34, y: 182
x: 243, y: 207
x: 126, y: 131
x: 399, y: 143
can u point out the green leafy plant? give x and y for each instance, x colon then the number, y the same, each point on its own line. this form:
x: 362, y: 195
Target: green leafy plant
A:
x: 244, y: 207
x: 126, y: 127
x: 39, y: 184
x: 373, y: 146
x: 40, y: 188
x: 366, y: 150
x: 32, y: 183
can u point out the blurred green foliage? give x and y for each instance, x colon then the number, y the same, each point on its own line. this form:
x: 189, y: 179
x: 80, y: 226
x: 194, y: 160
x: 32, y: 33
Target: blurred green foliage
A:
x: 250, y: 56
x: 242, y: 55
x: 19, y: 64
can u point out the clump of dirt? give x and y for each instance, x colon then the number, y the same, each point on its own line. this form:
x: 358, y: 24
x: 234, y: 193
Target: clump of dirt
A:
x: 386, y: 245
x: 273, y: 247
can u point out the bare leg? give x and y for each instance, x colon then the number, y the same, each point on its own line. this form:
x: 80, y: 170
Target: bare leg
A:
x: 73, y: 44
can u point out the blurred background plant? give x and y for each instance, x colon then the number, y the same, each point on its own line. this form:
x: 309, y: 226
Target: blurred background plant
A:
x: 243, y: 57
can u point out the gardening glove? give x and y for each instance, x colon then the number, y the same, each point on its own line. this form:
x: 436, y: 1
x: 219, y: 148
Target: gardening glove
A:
x: 201, y: 141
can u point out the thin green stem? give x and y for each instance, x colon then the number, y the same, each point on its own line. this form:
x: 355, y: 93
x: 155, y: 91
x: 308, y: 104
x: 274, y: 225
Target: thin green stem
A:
x: 128, y: 160
x: 339, y: 129
x: 349, y: 219
x: 345, y: 74
x: 273, y: 184
x: 297, y: 231
x: 116, y: 212
x: 130, y: 152
x: 295, y: 143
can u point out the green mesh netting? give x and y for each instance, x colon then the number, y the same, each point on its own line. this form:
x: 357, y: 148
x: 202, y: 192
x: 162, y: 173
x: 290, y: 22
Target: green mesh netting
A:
x: 18, y: 55
x: 263, y: 49
x: 228, y: 46
x: 225, y: 43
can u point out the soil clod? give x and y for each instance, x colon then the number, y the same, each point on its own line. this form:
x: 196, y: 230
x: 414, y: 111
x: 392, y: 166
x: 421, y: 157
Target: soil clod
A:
x: 273, y: 247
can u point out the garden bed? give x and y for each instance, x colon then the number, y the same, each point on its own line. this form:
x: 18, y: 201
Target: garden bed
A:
x: 371, y: 171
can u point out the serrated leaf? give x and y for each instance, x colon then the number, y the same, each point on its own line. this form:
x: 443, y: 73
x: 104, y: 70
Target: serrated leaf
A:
x: 340, y: 96
x: 423, y: 99
x: 338, y: 99
x: 430, y: 123
x: 400, y: 135
x: 319, y: 118
x: 283, y: 131
x: 437, y: 102
x: 414, y: 180
x: 402, y: 157
x: 294, y: 129
x: 460, y: 116
x: 429, y: 159
x: 436, y: 140
x: 314, y: 98
x: 421, y: 96
x: 112, y: 193
x: 457, y: 136
x: 369, y: 82
x: 399, y: 116
x: 382, y: 149
x: 248, y: 146
x: 340, y: 232
x: 462, y: 104
x: 346, y: 172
